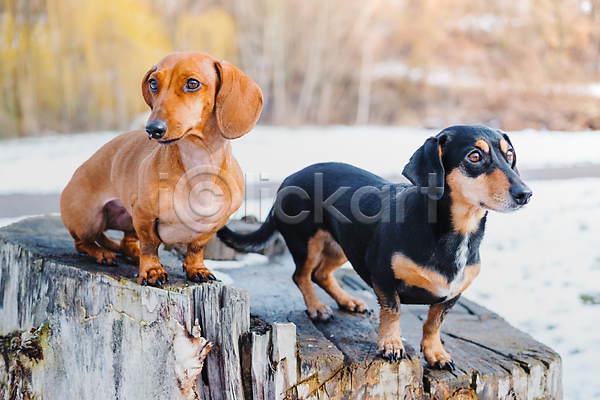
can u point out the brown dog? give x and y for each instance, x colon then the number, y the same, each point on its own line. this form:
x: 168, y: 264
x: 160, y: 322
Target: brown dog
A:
x: 178, y: 182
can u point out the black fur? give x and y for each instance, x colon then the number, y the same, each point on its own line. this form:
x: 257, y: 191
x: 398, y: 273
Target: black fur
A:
x: 402, y: 227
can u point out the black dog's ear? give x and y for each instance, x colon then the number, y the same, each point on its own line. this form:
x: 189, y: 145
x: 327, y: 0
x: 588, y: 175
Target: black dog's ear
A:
x: 514, y: 166
x: 427, y: 160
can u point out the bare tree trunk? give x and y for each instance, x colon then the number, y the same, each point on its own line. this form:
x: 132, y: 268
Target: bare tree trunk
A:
x: 26, y: 88
x: 366, y: 78
x: 277, y: 23
x: 314, y: 73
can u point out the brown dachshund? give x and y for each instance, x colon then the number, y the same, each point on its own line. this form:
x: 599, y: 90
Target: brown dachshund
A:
x: 178, y: 181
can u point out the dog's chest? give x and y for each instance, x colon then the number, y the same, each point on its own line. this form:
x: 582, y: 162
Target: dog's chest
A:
x: 460, y: 262
x: 192, y: 210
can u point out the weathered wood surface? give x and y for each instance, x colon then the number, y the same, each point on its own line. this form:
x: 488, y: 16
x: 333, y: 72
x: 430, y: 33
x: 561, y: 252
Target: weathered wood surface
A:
x: 102, y: 336
x: 337, y: 359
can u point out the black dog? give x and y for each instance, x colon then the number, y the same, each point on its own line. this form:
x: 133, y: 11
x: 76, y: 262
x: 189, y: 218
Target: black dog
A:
x: 413, y: 244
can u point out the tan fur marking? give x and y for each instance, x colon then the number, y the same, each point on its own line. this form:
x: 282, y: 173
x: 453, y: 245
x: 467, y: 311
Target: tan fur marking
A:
x: 440, y: 151
x: 433, y: 350
x: 415, y: 275
x: 498, y: 182
x: 389, y: 337
x: 466, y: 194
x: 303, y: 274
x: 483, y: 145
x: 331, y: 257
x: 471, y: 272
x: 503, y: 146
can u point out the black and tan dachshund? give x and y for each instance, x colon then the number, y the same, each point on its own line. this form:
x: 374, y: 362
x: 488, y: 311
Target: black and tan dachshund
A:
x: 414, y: 244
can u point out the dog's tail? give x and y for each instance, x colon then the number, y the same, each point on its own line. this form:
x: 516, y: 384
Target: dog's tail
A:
x: 252, y: 242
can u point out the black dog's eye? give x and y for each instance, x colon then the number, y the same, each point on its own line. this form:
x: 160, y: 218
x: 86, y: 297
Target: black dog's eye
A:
x: 474, y: 156
x: 153, y: 85
x: 510, y: 156
x: 192, y: 85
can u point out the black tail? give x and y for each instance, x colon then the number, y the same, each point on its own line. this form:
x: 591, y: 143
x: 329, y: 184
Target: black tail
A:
x: 249, y: 242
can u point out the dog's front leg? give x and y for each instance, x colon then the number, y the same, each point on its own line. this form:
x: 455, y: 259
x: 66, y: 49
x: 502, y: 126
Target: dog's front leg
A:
x: 193, y: 265
x: 431, y: 344
x: 389, y: 338
x: 151, y: 270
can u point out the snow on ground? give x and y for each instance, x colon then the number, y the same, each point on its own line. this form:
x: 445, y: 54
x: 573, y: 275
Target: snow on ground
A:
x: 42, y: 166
x: 537, y: 263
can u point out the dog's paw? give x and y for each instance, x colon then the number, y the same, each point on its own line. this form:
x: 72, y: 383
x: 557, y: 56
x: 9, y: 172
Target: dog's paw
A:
x: 320, y: 312
x: 391, y: 349
x: 154, y: 276
x: 105, y: 257
x: 199, y: 274
x: 436, y: 356
x: 354, y: 304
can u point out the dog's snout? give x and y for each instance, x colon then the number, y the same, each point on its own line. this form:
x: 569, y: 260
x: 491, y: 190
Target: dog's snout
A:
x: 156, y: 129
x: 521, y: 194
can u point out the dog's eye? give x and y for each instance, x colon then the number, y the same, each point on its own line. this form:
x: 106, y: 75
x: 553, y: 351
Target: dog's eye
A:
x: 192, y: 85
x: 153, y: 85
x: 510, y: 156
x: 474, y: 156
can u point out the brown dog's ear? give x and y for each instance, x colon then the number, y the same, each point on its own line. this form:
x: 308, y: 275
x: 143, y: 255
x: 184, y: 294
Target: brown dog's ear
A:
x: 238, y: 101
x: 146, y: 90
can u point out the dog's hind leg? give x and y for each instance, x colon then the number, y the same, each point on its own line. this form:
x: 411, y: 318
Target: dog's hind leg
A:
x: 94, y: 242
x: 307, y: 258
x: 130, y: 247
x: 108, y: 243
x: 332, y: 257
x: 98, y: 253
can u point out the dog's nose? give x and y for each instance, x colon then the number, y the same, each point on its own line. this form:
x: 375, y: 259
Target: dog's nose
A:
x: 521, y: 194
x: 156, y: 129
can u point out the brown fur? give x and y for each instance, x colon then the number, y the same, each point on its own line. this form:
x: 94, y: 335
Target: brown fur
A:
x: 503, y: 146
x: 483, y: 145
x: 389, y: 336
x: 138, y: 185
x: 324, y: 257
x: 468, y: 194
x: 433, y: 350
x: 418, y: 276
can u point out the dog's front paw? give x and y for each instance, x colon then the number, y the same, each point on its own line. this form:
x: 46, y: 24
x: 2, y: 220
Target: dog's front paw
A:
x: 154, y: 275
x: 391, y: 349
x: 199, y: 274
x: 436, y: 356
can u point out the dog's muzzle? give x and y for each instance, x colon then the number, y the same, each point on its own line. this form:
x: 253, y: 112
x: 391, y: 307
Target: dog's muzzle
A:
x: 520, y: 194
x: 156, y: 129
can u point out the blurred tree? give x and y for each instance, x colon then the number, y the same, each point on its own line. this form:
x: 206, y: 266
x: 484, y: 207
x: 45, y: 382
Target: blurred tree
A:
x: 73, y: 65
x: 212, y: 31
x: 76, y: 65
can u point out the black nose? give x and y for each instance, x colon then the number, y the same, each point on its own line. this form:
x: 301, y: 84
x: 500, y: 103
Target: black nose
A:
x: 521, y: 194
x: 156, y: 129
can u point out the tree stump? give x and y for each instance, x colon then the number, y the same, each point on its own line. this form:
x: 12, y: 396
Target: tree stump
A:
x: 72, y: 329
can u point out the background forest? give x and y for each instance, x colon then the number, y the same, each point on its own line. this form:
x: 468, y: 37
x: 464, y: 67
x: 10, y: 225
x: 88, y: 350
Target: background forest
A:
x: 73, y: 65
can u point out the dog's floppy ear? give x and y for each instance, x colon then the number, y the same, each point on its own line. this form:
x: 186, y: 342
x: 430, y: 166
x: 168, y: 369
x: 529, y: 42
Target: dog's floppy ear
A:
x: 238, y: 101
x: 146, y: 90
x: 427, y: 160
x: 514, y: 166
